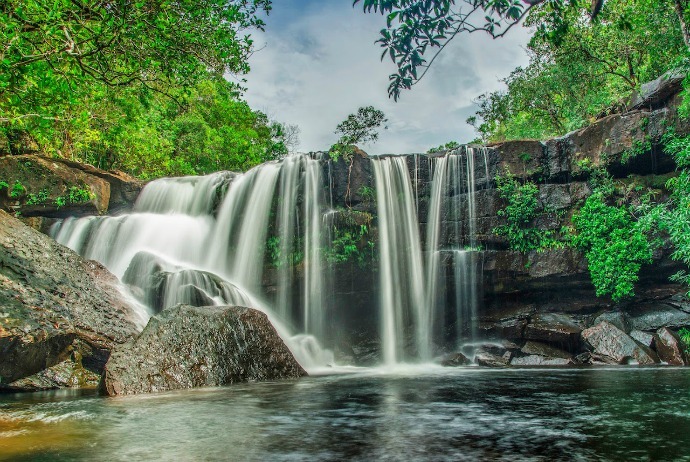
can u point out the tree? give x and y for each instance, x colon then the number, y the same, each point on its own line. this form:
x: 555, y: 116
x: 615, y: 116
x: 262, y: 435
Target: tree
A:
x: 575, y: 76
x: 417, y: 27
x: 361, y: 127
x: 50, y: 51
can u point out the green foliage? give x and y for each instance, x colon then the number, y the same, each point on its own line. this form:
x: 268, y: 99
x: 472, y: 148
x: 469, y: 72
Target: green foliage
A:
x: 614, y: 243
x: 40, y: 198
x: 358, y: 128
x: 674, y: 217
x: 684, y: 335
x: 351, y: 240
x: 53, y: 51
x: 449, y: 146
x: 367, y: 193
x: 522, y: 209
x: 18, y: 190
x: 580, y: 70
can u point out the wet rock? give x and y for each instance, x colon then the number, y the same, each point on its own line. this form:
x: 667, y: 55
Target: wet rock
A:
x: 650, y: 317
x: 671, y: 348
x: 537, y: 360
x: 556, y: 329
x: 162, y: 284
x: 542, y: 349
x: 617, y: 318
x: 54, y: 303
x: 455, y: 359
x: 588, y: 358
x: 67, y: 374
x: 606, y: 339
x: 487, y: 359
x: 508, y: 329
x: 186, y: 347
x: 645, y: 338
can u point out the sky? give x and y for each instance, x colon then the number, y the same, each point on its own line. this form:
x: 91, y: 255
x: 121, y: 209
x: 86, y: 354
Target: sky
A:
x: 317, y: 62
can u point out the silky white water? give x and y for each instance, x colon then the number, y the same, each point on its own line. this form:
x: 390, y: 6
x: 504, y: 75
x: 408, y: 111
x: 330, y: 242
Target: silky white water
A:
x: 214, y: 240
x: 203, y: 240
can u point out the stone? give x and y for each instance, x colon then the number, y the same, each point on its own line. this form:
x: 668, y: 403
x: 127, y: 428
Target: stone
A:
x: 185, y: 347
x: 657, y: 92
x: 67, y: 374
x: 488, y: 359
x: 653, y: 316
x: 55, y: 304
x: 542, y: 349
x: 555, y: 329
x: 161, y: 284
x: 455, y: 359
x: 588, y: 358
x: 536, y: 360
x: 606, y: 339
x: 46, y: 188
x: 645, y: 338
x: 617, y: 318
x: 671, y: 348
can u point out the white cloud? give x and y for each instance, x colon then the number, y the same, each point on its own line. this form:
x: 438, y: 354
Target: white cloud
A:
x: 320, y: 63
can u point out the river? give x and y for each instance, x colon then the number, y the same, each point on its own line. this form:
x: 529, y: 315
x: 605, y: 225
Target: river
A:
x: 410, y: 414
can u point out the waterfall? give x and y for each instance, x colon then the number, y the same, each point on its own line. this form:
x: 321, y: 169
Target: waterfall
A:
x: 203, y: 240
x: 261, y: 238
x: 401, y: 272
x: 413, y: 292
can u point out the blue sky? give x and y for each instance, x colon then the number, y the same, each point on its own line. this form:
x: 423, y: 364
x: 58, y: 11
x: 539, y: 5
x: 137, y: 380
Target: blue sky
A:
x: 317, y: 62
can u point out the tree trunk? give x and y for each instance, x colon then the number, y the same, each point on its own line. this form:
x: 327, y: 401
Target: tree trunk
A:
x: 680, y: 11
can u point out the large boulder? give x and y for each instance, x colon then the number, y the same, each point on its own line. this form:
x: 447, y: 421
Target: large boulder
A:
x: 608, y: 340
x: 55, y: 306
x: 556, y: 329
x: 670, y: 348
x: 186, y: 347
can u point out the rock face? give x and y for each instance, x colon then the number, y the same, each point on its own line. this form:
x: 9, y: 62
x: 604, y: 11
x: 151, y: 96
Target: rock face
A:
x: 608, y: 340
x: 185, y: 347
x: 41, y: 187
x: 54, y: 307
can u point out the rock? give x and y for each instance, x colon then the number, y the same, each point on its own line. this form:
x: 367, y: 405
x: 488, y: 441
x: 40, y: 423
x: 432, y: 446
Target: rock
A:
x: 50, y: 189
x: 671, y: 348
x: 54, y: 304
x: 617, y: 318
x: 536, y: 360
x: 162, y: 284
x: 352, y: 182
x: 594, y: 359
x: 67, y: 374
x: 542, y: 349
x: 650, y: 317
x: 186, y: 347
x: 124, y: 189
x: 556, y: 329
x: 455, y: 359
x: 657, y: 92
x: 645, y: 338
x: 487, y: 359
x: 606, y: 339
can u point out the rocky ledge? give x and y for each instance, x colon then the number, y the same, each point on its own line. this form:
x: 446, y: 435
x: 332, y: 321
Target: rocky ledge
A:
x: 186, y: 347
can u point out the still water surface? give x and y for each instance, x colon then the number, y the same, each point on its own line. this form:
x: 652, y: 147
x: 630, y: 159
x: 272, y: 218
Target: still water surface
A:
x: 435, y: 414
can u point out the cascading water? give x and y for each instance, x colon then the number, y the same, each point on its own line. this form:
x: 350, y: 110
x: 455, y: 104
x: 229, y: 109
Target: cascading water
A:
x: 217, y: 239
x: 202, y: 240
x: 401, y: 273
x: 412, y: 290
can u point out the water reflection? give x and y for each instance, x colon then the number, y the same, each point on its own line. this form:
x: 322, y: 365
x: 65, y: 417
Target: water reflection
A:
x: 470, y: 414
